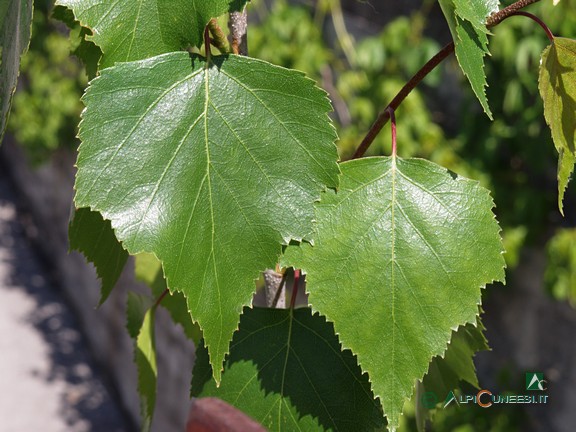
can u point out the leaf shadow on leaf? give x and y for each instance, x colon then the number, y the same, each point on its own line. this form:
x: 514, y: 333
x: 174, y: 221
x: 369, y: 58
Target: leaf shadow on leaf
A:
x: 217, y: 61
x: 568, y: 120
x: 472, y: 33
x: 293, y: 359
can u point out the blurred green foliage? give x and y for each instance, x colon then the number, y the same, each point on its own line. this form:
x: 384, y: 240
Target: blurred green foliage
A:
x: 516, y: 149
x: 560, y: 276
x: 47, y: 106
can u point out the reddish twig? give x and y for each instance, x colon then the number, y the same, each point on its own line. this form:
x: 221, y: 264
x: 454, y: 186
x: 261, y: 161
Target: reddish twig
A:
x: 497, y: 17
x: 384, y: 116
x: 537, y: 20
x: 494, y: 19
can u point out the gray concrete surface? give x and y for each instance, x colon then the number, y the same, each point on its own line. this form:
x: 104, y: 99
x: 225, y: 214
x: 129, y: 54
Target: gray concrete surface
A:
x: 48, y: 381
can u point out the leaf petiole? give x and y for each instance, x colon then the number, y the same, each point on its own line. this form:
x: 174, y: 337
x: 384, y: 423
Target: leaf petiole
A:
x: 393, y: 129
x: 538, y: 21
x: 207, y: 43
x: 160, y: 298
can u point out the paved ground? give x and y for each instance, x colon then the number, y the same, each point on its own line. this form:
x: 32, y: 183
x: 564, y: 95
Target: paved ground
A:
x: 47, y: 379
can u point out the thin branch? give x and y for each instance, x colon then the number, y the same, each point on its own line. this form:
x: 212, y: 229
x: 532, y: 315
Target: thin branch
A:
x: 344, y: 38
x: 274, y: 289
x: 494, y: 19
x: 497, y: 17
x: 384, y: 116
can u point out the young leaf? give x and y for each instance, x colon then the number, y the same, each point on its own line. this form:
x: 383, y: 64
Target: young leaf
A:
x: 210, y: 166
x: 401, y: 253
x: 557, y: 86
x: 287, y: 371
x: 467, y: 23
x: 126, y: 30
x: 90, y: 234
x: 14, y: 39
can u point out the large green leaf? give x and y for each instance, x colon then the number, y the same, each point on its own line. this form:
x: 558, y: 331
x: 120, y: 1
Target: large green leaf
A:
x: 399, y: 257
x: 467, y: 22
x: 286, y: 370
x: 557, y: 86
x: 93, y: 236
x: 133, y: 30
x: 212, y: 167
x: 16, y: 19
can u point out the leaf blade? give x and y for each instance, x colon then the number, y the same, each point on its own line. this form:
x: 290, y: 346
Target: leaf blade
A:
x: 557, y: 85
x: 393, y: 260
x: 161, y: 129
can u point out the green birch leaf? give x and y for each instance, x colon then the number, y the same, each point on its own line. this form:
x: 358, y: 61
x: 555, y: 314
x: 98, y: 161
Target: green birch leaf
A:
x: 211, y: 167
x: 286, y: 370
x: 16, y: 19
x: 400, y: 256
x: 149, y: 270
x: 93, y: 236
x: 147, y: 368
x: 466, y: 21
x: 471, y: 46
x: 557, y: 86
x: 128, y: 30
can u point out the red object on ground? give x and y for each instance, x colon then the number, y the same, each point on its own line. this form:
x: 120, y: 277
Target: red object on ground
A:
x: 215, y: 415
